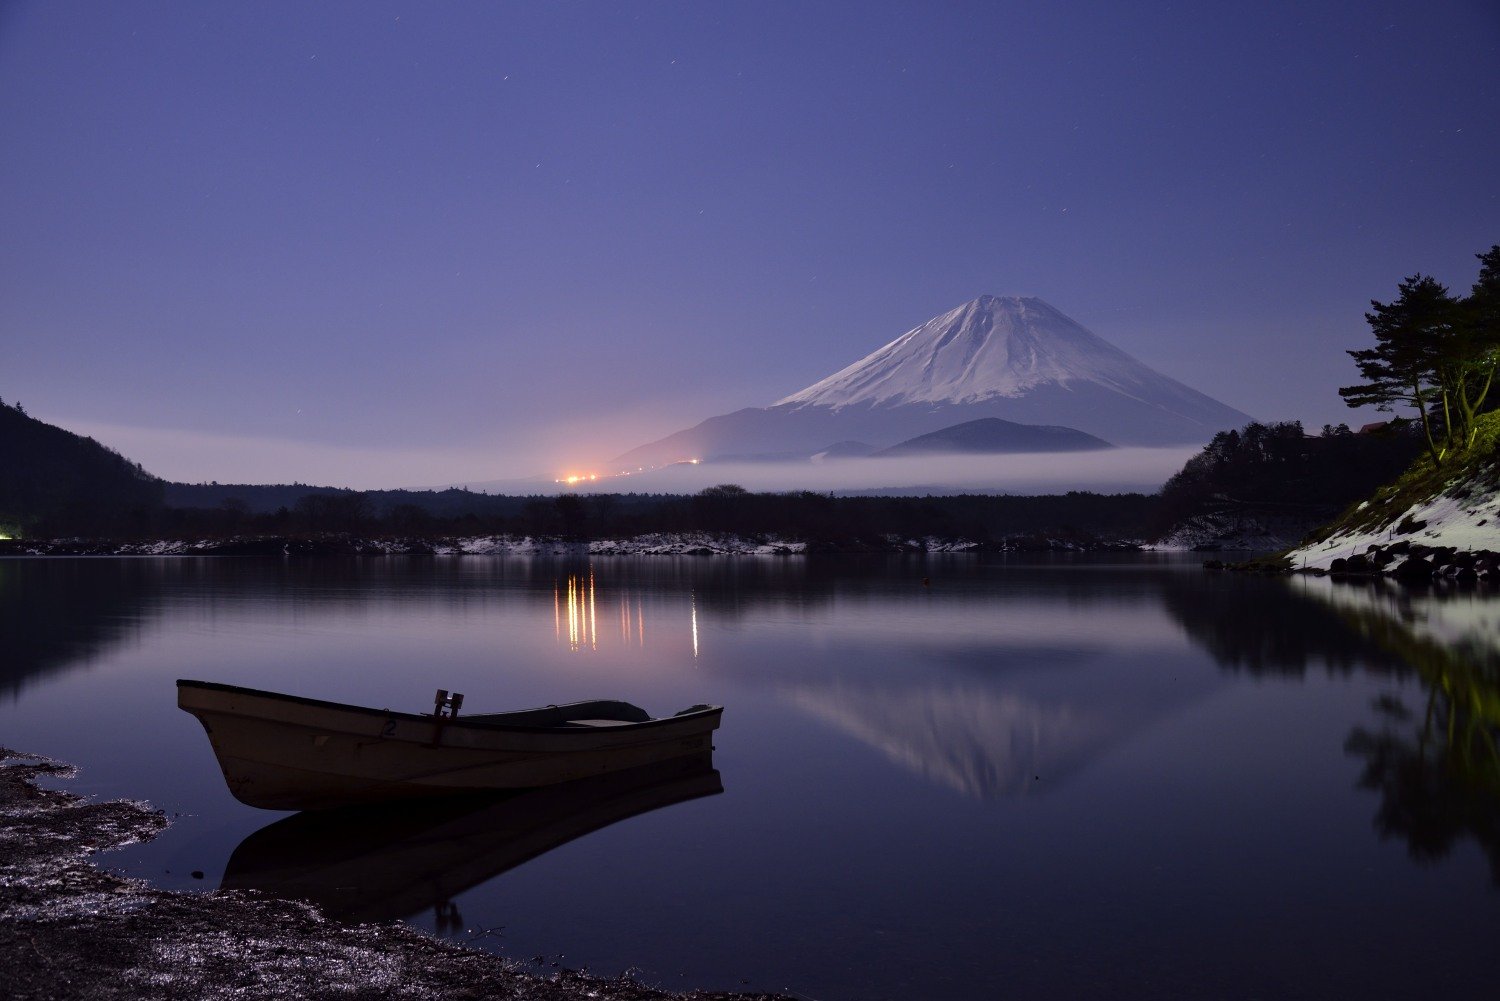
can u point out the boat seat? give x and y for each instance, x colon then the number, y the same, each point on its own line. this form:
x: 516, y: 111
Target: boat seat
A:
x: 599, y: 722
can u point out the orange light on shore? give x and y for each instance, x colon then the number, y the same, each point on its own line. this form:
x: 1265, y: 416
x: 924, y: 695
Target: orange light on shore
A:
x: 573, y: 479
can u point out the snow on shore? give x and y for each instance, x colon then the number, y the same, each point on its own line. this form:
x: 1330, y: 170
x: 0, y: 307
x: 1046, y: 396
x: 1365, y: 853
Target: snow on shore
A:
x: 662, y: 544
x: 668, y: 544
x: 1468, y: 522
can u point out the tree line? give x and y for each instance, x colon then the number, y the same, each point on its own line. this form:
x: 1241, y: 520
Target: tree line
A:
x: 842, y: 522
x: 1277, y: 467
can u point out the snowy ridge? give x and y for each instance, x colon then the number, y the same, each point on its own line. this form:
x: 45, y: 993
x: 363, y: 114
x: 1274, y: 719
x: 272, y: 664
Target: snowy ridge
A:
x: 990, y: 347
x: 1463, y: 522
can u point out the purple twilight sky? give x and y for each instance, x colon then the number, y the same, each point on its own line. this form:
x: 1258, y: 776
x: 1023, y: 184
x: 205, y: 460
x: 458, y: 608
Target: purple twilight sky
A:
x: 385, y: 244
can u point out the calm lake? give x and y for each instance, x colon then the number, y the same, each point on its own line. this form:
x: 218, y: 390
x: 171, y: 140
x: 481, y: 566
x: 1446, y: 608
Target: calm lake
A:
x: 942, y: 777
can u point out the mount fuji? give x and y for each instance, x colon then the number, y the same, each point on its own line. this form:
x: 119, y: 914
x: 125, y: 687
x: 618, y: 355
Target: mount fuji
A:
x: 1018, y: 359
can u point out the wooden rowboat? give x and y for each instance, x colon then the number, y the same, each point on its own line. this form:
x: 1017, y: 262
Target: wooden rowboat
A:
x: 282, y: 752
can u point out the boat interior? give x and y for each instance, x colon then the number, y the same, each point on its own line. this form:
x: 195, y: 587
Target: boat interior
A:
x: 599, y: 712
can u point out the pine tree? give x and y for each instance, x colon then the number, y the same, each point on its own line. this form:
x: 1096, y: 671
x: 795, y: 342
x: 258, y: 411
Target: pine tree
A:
x: 1476, y: 348
x: 1413, y: 336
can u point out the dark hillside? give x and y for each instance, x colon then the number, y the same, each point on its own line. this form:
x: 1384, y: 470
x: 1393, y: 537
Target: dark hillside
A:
x: 1276, y: 475
x: 55, y: 482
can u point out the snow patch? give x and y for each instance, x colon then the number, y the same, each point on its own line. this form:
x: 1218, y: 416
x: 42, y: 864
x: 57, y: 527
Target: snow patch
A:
x: 1455, y: 518
x: 1235, y: 531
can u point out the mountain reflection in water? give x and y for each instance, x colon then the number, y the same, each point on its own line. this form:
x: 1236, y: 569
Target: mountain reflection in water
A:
x: 385, y: 862
x: 974, y: 740
x: 1000, y: 738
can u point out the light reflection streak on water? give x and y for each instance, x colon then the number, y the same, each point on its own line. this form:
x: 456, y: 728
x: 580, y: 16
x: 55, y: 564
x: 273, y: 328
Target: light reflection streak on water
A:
x: 583, y: 611
x: 575, y: 603
x: 632, y: 621
x: 583, y: 621
x: 693, y: 605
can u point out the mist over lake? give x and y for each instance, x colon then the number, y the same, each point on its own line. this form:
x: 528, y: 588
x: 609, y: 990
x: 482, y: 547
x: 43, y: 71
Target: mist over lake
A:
x: 1115, y: 470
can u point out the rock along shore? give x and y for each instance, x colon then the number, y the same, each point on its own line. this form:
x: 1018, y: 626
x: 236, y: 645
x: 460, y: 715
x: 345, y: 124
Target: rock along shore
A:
x: 70, y: 930
x: 1404, y: 561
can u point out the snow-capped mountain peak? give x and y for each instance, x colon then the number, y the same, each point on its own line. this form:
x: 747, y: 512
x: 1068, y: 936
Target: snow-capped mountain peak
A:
x: 1015, y: 359
x: 986, y: 348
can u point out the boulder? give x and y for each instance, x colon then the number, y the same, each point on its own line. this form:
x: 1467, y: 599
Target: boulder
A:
x: 1413, y: 569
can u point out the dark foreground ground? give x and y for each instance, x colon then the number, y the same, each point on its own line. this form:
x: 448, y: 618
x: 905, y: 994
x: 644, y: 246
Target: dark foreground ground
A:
x: 69, y: 929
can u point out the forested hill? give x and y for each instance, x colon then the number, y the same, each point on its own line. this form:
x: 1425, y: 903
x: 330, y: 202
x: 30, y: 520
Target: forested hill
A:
x: 54, y: 480
x: 1268, y: 478
x: 257, y: 498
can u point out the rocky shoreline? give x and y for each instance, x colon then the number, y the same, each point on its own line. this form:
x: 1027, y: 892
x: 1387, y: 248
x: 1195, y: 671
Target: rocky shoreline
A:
x: 1404, y: 561
x: 70, y: 929
x: 664, y: 544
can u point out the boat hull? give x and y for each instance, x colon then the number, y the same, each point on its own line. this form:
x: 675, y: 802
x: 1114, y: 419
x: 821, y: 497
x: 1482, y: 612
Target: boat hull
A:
x: 280, y: 752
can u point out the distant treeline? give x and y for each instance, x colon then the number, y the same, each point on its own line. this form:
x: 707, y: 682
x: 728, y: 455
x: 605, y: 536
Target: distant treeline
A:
x: 268, y: 498
x: 1278, y: 468
x: 727, y: 508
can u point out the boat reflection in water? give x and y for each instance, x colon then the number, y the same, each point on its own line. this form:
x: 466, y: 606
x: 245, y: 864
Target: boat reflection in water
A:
x: 380, y: 863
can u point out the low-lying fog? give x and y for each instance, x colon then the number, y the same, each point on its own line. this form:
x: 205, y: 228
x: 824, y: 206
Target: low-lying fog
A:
x: 1109, y: 471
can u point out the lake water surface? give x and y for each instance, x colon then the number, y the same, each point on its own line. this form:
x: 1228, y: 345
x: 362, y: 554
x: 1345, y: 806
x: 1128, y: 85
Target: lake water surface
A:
x: 942, y: 777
